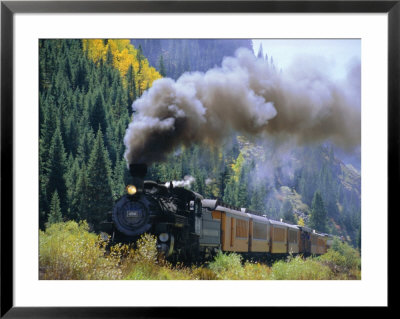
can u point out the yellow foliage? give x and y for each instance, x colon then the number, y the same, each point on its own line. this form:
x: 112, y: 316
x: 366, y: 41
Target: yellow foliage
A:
x: 69, y: 251
x: 124, y: 55
x: 95, y: 49
x: 237, y: 167
x: 300, y: 222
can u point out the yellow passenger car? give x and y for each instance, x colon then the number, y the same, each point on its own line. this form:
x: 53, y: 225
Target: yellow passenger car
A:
x: 314, y: 242
x: 329, y: 241
x: 259, y: 233
x: 318, y: 243
x: 293, y: 239
x: 234, y: 229
x: 305, y: 240
x: 321, y: 244
x: 279, y: 237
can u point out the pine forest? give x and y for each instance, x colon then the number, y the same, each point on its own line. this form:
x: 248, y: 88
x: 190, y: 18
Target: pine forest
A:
x: 87, y: 88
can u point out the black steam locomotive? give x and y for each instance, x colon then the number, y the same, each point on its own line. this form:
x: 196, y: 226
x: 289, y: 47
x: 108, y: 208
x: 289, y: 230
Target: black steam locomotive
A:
x: 173, y: 214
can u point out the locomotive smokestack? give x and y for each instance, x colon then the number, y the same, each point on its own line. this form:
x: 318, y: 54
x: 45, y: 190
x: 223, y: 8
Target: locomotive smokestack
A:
x: 138, y: 172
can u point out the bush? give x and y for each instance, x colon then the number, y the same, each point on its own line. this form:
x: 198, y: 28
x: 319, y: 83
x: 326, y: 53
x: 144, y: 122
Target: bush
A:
x: 351, y: 255
x: 146, y: 249
x: 227, y: 266
x: 343, y: 260
x: 145, y: 263
x: 256, y: 271
x: 69, y: 251
x: 298, y: 268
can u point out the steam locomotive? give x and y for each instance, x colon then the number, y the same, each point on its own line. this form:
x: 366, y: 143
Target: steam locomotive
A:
x: 189, y: 227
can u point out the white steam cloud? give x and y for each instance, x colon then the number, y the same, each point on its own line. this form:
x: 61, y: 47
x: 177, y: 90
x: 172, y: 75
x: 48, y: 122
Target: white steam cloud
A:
x: 187, y: 181
x: 249, y: 96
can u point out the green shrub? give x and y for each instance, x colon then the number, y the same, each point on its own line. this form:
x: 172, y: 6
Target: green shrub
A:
x: 298, y: 268
x: 351, y: 255
x: 343, y: 260
x: 227, y: 266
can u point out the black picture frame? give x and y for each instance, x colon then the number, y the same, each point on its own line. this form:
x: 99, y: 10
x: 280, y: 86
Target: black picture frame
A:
x: 9, y: 8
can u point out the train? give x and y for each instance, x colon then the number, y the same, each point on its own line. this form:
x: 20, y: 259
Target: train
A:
x: 189, y: 227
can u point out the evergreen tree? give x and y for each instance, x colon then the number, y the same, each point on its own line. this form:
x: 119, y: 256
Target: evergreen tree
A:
x: 55, y: 215
x: 50, y: 123
x: 109, y: 57
x: 71, y: 133
x: 287, y: 212
x: 242, y: 188
x: 55, y: 169
x: 162, y: 66
x: 222, y: 180
x: 71, y: 178
x: 82, y: 74
x: 199, y: 184
x: 119, y: 178
x: 318, y: 213
x: 131, y: 88
x: 257, y: 199
x: 98, y: 113
x: 99, y: 188
x: 229, y: 192
x: 85, y: 144
x: 43, y: 180
x: 80, y: 205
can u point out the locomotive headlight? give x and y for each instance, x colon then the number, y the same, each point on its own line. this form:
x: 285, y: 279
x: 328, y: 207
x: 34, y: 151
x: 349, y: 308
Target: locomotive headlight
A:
x: 163, y: 237
x: 131, y: 189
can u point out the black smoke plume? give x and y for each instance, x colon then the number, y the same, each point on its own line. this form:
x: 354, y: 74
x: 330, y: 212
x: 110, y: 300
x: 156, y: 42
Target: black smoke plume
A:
x: 249, y: 96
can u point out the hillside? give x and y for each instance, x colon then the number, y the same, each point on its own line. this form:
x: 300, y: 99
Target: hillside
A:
x: 86, y: 91
x: 295, y: 174
x: 174, y: 57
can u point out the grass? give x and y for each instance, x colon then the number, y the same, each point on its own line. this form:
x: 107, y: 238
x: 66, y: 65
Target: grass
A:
x: 69, y: 251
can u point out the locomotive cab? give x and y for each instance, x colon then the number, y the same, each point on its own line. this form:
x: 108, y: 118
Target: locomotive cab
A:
x: 196, y: 213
